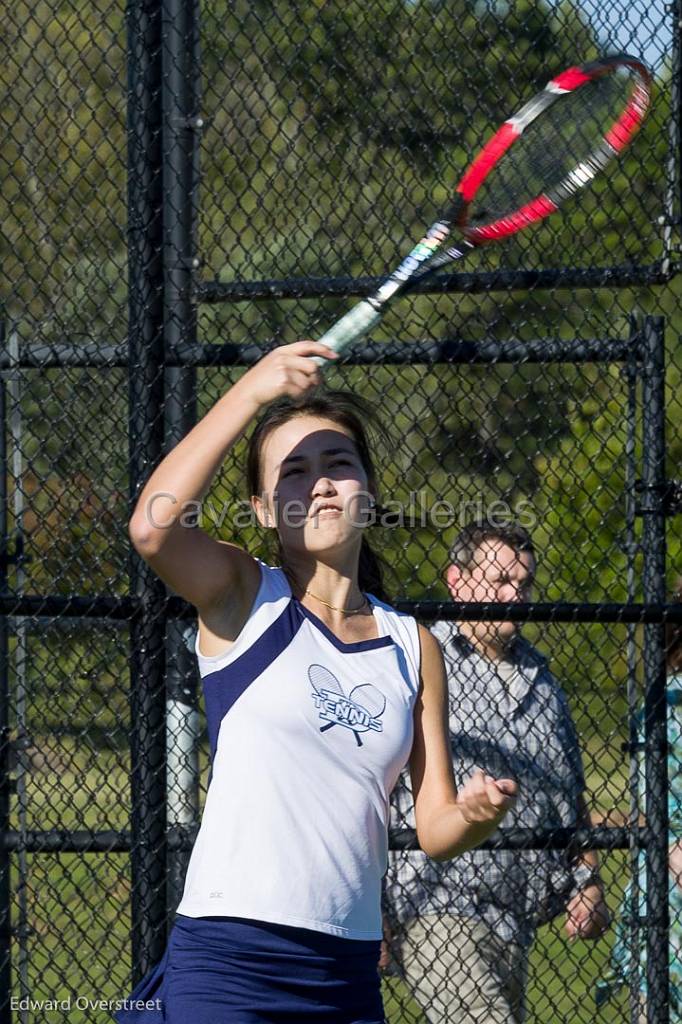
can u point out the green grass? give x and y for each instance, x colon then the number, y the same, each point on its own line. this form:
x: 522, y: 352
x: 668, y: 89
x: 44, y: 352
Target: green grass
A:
x: 77, y: 904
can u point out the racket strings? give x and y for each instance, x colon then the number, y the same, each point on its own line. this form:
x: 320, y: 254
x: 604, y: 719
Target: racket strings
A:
x: 568, y: 134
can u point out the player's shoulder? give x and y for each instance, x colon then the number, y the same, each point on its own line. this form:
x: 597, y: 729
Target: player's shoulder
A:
x: 426, y: 636
x: 431, y: 650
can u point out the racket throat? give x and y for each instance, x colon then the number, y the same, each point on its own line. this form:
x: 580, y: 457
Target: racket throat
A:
x: 449, y: 255
x: 421, y: 256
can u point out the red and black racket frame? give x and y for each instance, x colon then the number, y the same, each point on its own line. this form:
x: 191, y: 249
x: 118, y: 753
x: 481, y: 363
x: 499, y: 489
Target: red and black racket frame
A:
x: 610, y: 145
x: 433, y: 251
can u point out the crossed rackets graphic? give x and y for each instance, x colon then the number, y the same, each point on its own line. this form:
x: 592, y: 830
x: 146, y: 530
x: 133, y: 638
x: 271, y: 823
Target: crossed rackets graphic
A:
x: 359, y: 711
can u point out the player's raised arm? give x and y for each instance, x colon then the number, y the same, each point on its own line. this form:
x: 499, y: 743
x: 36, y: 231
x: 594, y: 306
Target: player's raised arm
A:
x: 448, y: 822
x: 195, y: 565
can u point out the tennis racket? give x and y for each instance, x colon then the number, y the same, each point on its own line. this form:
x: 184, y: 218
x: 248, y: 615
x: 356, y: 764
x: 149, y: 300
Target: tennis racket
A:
x: 543, y: 155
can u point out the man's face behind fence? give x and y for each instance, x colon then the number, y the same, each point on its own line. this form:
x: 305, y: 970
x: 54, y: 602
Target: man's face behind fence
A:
x: 496, y: 573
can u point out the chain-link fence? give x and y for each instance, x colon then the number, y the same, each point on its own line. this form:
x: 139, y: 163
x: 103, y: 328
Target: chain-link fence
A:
x: 186, y: 186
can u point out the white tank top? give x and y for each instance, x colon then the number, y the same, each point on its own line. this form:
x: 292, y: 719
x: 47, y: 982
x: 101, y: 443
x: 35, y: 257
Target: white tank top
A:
x: 308, y: 736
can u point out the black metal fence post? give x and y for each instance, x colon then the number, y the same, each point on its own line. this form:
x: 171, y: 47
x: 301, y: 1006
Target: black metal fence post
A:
x: 181, y: 126
x: 5, y: 780
x: 631, y: 372
x: 654, y: 567
x: 146, y: 393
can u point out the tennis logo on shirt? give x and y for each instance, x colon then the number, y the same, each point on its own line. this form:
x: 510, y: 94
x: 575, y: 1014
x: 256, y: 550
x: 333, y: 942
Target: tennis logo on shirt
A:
x: 360, y: 711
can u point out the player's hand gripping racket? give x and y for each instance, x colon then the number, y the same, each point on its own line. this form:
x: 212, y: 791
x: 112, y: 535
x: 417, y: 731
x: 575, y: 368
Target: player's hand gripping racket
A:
x: 550, y: 149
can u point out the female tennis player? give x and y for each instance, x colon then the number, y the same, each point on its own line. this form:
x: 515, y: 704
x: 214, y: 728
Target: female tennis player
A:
x: 317, y: 693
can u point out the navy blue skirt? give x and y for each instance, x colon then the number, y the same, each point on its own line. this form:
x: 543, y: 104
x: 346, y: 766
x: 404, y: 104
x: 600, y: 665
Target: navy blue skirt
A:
x: 227, y: 970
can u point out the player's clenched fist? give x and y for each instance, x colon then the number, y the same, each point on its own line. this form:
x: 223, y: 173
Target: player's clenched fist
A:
x: 485, y: 799
x: 287, y: 370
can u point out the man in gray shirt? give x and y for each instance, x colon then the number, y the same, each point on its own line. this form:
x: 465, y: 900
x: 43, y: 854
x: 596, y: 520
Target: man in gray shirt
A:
x: 462, y: 929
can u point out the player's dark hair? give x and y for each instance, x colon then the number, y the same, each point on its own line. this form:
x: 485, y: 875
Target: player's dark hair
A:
x: 673, y: 634
x: 470, y: 538
x: 349, y: 411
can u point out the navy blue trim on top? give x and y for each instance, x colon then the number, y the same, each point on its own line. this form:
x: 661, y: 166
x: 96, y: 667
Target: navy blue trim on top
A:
x: 356, y: 645
x: 224, y: 686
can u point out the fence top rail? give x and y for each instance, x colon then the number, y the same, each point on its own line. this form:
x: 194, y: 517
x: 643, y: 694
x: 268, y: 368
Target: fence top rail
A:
x: 436, y: 351
x: 66, y: 354
x: 59, y: 840
x: 18, y: 607
x: 463, y: 283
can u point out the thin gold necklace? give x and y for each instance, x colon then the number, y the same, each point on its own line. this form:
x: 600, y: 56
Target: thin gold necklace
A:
x: 335, y: 608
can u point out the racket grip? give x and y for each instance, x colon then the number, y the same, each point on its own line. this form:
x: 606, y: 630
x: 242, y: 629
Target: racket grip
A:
x: 353, y: 325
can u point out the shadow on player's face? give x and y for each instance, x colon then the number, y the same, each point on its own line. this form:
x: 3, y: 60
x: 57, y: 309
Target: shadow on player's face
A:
x: 311, y: 462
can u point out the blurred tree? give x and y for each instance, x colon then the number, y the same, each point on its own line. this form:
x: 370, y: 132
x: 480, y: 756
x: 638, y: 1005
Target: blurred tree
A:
x: 581, y: 530
x: 63, y: 165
